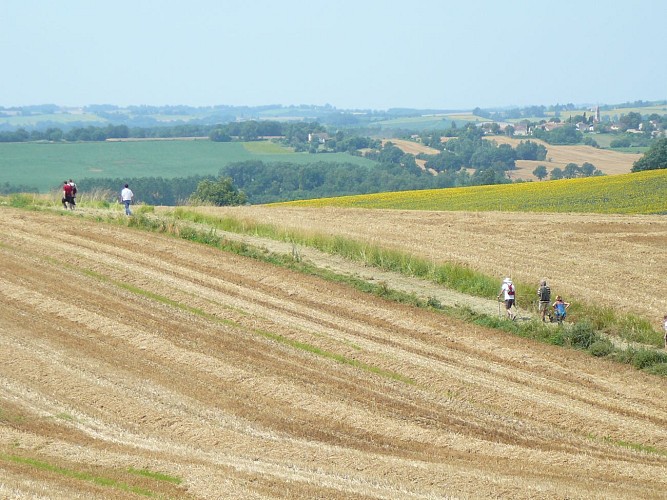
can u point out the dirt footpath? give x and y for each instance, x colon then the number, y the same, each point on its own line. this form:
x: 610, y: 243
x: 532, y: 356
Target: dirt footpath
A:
x: 610, y: 260
x: 395, y: 281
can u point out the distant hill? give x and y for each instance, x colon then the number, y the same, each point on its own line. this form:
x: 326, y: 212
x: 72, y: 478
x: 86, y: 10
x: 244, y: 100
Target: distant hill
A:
x: 52, y: 115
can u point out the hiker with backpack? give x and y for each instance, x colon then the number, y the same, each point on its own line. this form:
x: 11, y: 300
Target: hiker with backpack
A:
x: 507, y: 289
x: 544, y: 296
x: 74, y: 191
x: 665, y: 325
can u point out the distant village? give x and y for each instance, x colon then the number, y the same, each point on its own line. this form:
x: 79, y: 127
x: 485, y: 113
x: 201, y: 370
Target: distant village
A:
x: 593, y: 123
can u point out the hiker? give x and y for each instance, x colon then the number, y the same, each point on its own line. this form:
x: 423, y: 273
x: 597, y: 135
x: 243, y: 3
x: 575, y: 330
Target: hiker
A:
x: 507, y: 289
x: 126, y: 196
x: 74, y: 191
x: 68, y: 201
x: 560, y: 309
x: 665, y: 325
x: 544, y: 296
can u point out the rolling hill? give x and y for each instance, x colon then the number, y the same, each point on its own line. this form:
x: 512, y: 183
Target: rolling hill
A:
x: 137, y: 364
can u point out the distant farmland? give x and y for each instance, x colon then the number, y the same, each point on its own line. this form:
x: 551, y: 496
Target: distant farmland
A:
x: 45, y: 166
x: 609, y: 161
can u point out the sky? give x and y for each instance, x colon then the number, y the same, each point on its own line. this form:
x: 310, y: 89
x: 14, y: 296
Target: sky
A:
x: 350, y: 54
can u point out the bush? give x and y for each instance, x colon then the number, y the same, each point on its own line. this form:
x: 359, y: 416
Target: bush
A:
x: 624, y: 356
x: 601, y: 348
x: 581, y: 335
x: 644, y: 358
x: 658, y: 369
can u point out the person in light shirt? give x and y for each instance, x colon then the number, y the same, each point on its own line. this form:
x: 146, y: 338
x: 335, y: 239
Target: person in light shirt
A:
x: 126, y: 196
x: 508, y: 291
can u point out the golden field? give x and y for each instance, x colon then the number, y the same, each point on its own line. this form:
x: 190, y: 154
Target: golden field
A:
x: 608, y: 161
x: 136, y: 364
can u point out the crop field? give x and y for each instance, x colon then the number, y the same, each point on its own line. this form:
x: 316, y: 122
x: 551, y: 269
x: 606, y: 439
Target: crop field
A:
x: 608, y: 161
x: 137, y: 364
x: 637, y: 193
x: 45, y: 166
x: 611, y: 260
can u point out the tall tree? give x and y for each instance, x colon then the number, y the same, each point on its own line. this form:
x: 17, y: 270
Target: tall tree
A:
x: 654, y: 159
x: 219, y: 193
x: 540, y: 172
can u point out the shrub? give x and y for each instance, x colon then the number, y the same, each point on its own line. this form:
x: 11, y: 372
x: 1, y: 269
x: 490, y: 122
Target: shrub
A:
x: 644, y: 358
x: 624, y: 355
x: 434, y: 303
x: 601, y: 348
x: 581, y: 335
x: 658, y: 369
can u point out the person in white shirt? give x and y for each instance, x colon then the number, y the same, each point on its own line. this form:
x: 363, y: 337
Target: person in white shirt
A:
x: 665, y: 325
x: 507, y: 289
x: 126, y: 196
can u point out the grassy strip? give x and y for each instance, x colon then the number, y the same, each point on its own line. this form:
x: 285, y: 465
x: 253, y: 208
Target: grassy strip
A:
x: 456, y: 277
x: 635, y: 446
x: 628, y: 444
x: 336, y: 357
x: 158, y: 476
x: 83, y: 476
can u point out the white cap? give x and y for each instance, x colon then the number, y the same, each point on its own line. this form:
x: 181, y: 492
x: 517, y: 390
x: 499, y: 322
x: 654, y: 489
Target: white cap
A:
x: 507, y: 280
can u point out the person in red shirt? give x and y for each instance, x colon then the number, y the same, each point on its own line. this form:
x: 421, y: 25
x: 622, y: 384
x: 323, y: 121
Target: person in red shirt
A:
x: 68, y: 201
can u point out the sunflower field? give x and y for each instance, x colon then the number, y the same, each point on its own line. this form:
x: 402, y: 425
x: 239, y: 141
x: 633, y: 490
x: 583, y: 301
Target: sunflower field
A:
x: 636, y: 193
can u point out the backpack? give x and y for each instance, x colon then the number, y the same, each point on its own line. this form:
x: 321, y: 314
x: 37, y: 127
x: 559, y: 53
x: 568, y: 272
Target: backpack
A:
x: 73, y: 189
x: 510, y: 289
x: 545, y: 294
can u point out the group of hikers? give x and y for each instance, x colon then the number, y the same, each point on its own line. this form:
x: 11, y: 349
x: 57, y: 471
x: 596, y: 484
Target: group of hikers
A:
x: 70, y: 190
x: 556, y: 311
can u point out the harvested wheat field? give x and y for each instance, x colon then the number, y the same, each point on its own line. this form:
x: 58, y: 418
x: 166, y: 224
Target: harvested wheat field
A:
x: 610, y: 162
x: 414, y: 148
x: 135, y: 364
x: 612, y: 260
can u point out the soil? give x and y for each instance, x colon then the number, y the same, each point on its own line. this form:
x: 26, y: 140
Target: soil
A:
x: 124, y: 350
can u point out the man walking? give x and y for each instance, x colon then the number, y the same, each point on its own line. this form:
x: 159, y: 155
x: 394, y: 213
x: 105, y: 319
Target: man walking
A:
x: 544, y: 296
x: 68, y: 201
x: 126, y: 196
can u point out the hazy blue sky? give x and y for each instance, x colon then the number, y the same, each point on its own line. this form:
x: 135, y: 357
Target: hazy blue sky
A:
x: 348, y: 53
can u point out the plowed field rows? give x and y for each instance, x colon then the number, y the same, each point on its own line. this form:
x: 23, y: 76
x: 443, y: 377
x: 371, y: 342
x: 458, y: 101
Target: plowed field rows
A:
x: 122, y: 350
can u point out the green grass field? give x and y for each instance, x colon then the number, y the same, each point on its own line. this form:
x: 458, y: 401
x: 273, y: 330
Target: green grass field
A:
x: 46, y: 166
